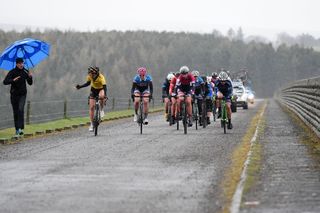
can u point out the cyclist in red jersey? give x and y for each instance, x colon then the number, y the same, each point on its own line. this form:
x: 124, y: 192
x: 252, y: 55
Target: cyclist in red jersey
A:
x: 185, y: 86
x: 173, y: 95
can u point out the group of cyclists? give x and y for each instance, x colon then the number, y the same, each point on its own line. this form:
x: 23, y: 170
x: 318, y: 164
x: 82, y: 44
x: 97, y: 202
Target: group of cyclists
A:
x: 180, y: 86
x: 190, y: 86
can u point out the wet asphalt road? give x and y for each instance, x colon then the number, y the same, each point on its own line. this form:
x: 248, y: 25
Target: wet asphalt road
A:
x: 120, y: 170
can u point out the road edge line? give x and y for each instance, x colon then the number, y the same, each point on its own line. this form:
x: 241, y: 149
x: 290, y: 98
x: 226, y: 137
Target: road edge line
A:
x: 237, y: 196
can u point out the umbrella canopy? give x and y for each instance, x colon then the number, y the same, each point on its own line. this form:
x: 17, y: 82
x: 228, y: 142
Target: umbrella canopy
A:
x: 31, y: 50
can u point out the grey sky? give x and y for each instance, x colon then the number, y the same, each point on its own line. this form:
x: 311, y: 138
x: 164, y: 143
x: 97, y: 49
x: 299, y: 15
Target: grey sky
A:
x: 256, y: 17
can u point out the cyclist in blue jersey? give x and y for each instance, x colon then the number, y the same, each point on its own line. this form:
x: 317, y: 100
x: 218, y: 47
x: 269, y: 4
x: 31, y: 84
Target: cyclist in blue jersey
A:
x: 142, y: 86
x: 198, y: 92
x: 165, y: 93
x: 208, y: 95
x: 225, y: 89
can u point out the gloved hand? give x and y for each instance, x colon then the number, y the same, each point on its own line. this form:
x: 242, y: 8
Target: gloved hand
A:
x: 78, y: 86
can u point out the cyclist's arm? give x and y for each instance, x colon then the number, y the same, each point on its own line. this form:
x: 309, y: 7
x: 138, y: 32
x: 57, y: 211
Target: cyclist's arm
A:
x: 151, y: 87
x: 134, y: 85
x: 84, y: 85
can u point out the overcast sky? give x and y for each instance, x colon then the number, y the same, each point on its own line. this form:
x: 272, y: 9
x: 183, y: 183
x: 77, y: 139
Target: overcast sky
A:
x: 256, y: 17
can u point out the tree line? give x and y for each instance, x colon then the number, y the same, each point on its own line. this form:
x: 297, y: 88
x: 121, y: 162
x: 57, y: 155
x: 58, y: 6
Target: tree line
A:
x: 119, y: 54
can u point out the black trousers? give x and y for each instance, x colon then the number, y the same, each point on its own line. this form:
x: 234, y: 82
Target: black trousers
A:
x: 18, y: 102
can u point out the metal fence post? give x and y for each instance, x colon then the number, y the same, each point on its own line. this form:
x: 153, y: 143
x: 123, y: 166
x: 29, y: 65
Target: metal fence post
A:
x: 65, y: 108
x: 113, y: 103
x: 129, y: 104
x: 28, y: 112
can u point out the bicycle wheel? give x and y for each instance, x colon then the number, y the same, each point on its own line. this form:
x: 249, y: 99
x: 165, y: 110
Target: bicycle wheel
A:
x: 184, y: 113
x: 195, y: 113
x: 96, y: 119
x: 141, y: 116
x: 169, y: 114
x: 214, y: 111
x: 224, y: 117
x: 204, y: 113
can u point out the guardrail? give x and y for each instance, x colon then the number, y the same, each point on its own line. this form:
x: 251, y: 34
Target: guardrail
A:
x: 303, y: 98
x: 43, y: 111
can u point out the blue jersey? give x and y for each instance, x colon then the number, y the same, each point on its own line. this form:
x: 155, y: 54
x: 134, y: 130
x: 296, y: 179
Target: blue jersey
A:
x: 208, y: 90
x: 198, y: 86
x: 226, y: 89
x: 140, y: 84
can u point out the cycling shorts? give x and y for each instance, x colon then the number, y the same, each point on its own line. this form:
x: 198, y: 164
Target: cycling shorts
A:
x: 181, y: 93
x: 141, y: 92
x: 94, y: 93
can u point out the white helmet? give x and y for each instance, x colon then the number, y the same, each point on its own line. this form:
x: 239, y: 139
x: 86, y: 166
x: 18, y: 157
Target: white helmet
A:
x: 195, y: 73
x: 170, y: 76
x: 184, y: 70
x: 223, y: 76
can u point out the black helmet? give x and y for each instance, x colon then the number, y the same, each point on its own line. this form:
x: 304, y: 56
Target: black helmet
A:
x: 214, y: 75
x: 93, y: 69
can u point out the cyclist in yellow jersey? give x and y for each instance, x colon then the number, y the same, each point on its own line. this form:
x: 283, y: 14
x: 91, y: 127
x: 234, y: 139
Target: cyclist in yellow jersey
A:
x: 98, y: 88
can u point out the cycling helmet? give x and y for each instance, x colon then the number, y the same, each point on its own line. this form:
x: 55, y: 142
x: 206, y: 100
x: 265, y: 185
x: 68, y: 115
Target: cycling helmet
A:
x: 195, y: 73
x: 184, y: 70
x: 170, y: 76
x: 93, y: 69
x: 214, y: 75
x: 142, y: 71
x: 223, y: 76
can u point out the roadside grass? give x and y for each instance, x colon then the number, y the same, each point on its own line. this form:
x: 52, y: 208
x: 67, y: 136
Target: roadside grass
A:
x: 254, y: 167
x: 62, y: 123
x: 239, y: 156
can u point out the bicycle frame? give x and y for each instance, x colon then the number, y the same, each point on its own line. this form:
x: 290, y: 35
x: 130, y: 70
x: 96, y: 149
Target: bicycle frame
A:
x: 96, y: 116
x: 224, y: 119
x: 195, y: 112
x: 140, y: 112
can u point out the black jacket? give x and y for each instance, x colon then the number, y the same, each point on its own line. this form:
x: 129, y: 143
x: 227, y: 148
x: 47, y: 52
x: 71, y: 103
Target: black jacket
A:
x: 18, y: 87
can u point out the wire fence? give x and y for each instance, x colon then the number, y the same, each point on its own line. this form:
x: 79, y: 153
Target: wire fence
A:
x: 44, y: 111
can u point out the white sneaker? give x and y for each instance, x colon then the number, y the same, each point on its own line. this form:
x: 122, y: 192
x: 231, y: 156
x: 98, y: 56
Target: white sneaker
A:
x: 135, y: 117
x: 91, y: 128
x: 145, y: 121
x: 101, y: 113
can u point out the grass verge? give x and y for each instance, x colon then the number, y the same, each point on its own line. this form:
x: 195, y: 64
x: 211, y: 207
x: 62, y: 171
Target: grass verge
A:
x: 32, y: 129
x: 239, y: 156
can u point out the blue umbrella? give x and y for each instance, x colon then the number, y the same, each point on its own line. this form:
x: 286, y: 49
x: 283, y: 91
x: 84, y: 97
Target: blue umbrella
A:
x: 31, y: 50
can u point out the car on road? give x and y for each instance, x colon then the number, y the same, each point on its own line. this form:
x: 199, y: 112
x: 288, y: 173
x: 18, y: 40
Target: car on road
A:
x: 239, y: 91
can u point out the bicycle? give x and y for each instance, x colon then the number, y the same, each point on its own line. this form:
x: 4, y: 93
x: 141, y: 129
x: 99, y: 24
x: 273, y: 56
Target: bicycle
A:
x: 195, y: 113
x: 183, y: 113
x: 224, y: 119
x: 96, y: 116
x: 140, y: 112
x: 204, y: 113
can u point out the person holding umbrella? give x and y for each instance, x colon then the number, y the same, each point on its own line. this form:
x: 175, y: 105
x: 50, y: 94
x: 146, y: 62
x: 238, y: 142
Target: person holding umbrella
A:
x: 28, y: 53
x: 18, y: 77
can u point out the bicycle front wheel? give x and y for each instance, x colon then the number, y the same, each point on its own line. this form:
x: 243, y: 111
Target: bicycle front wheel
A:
x: 185, y: 124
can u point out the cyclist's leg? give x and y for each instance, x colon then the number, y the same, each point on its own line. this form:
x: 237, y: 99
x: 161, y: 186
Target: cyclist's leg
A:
x: 179, y: 100
x: 189, y: 105
x: 146, y: 95
x: 173, y: 107
x: 136, y: 101
x: 219, y: 97
x: 101, y: 98
x: 209, y: 108
x: 229, y: 113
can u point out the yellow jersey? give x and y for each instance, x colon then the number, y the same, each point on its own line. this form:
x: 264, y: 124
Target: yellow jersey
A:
x: 98, y: 83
